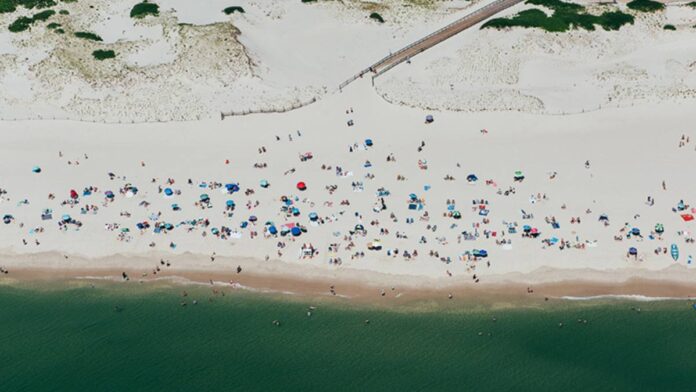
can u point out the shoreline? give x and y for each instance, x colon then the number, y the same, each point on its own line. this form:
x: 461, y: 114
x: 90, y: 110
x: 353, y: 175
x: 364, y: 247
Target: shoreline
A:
x: 361, y: 286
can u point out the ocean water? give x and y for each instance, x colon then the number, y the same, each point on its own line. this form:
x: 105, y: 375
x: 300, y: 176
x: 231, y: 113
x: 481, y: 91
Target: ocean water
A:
x: 129, y: 338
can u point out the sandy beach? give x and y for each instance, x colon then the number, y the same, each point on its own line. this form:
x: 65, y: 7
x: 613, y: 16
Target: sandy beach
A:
x: 548, y: 198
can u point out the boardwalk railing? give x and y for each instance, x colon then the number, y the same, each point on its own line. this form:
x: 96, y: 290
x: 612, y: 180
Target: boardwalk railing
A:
x: 432, y: 39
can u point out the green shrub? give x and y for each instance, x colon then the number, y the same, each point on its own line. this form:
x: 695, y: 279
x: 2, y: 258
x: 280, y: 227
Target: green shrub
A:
x: 103, y: 54
x: 24, y: 23
x: 692, y: 4
x: 21, y: 24
x: 64, y: 12
x: 43, y: 15
x: 309, y: 1
x: 60, y: 31
x: 566, y: 16
x: 88, y: 36
x: 232, y: 10
x: 669, y: 27
x: 377, y: 17
x: 645, y: 5
x: 53, y: 25
x: 144, y: 9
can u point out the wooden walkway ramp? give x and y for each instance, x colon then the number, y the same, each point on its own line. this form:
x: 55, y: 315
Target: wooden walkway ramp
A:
x: 433, y: 39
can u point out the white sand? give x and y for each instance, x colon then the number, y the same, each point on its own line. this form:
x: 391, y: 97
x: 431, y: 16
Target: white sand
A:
x: 630, y: 150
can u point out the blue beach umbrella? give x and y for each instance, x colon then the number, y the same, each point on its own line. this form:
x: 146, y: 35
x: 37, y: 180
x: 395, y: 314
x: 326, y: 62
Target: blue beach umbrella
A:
x: 36, y: 169
x: 313, y: 216
x: 296, y: 231
x: 272, y: 230
x: 264, y: 183
x: 168, y: 191
x: 472, y: 178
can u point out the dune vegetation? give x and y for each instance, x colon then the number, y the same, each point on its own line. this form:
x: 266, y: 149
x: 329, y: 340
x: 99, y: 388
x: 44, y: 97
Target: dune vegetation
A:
x: 645, y: 5
x: 144, y: 9
x: 566, y: 16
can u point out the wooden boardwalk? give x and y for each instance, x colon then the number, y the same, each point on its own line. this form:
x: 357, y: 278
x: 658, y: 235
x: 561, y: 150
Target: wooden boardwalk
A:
x: 433, y: 39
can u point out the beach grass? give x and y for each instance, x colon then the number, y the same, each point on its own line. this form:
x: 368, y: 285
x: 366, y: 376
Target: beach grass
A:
x: 64, y: 12
x: 377, y: 17
x: 565, y: 17
x: 144, y: 9
x: 53, y: 25
x: 645, y: 5
x: 24, y: 23
x: 7, y: 6
x: 88, y: 36
x: 232, y: 10
x: 103, y: 54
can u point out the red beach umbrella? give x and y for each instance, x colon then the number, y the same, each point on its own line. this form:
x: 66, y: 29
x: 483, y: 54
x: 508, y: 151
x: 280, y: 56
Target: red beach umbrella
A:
x: 301, y: 186
x: 687, y: 217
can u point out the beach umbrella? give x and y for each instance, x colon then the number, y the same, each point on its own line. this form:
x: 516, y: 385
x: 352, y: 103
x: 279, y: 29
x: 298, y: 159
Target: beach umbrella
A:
x: 73, y: 194
x: 659, y: 228
x: 272, y: 230
x: 472, y: 178
x: 632, y: 251
x: 253, y: 218
x: 482, y: 253
x: 66, y: 218
x: 296, y: 231
x: 204, y: 197
x: 368, y: 142
x: 412, y: 196
x: 301, y: 186
x: 456, y: 215
x: 109, y: 194
x: 215, y: 231
x: 635, y: 231
x: 244, y: 224
x: 232, y: 188
x: 168, y: 191
x: 36, y: 169
x: 175, y: 207
x: 7, y: 219
x: 230, y: 203
x: 518, y: 175
x: 604, y: 217
x: 527, y: 228
x: 429, y: 118
x: 264, y: 183
x: 295, y: 211
x: 313, y: 216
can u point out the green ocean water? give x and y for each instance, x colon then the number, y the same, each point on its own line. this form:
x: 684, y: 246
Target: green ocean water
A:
x: 128, y: 338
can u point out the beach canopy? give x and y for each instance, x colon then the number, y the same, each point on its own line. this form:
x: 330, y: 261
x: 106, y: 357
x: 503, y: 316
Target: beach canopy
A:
x: 296, y: 231
x: 632, y: 251
x: 301, y: 186
x: 264, y: 183
x: 480, y: 253
x: 168, y: 191
x: 230, y: 203
x: 232, y: 188
x: 687, y: 217
x: 36, y: 169
x: 471, y: 178
x: 604, y: 217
